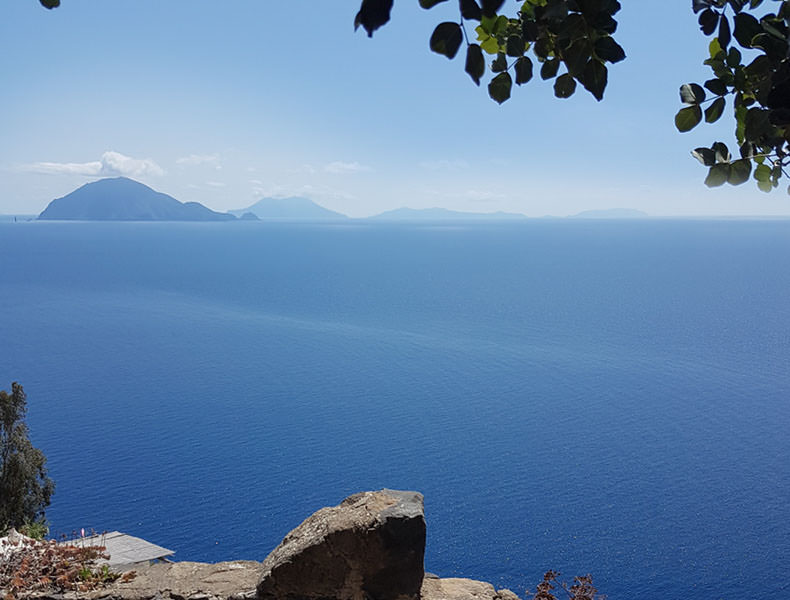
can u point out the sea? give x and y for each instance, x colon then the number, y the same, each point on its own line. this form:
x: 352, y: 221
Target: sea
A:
x: 589, y: 396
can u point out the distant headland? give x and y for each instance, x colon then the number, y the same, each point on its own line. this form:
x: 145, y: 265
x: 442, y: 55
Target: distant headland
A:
x: 123, y: 199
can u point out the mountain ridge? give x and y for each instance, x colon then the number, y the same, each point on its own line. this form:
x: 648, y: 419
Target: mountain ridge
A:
x: 290, y: 208
x: 124, y: 199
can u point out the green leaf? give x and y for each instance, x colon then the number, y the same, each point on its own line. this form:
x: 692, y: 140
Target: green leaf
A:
x: 705, y: 155
x: 500, y: 25
x: 491, y: 7
x: 564, y: 86
x: 446, y: 39
x: 576, y: 56
x: 759, y: 68
x: 708, y: 20
x: 488, y: 23
x: 556, y: 11
x: 372, y: 15
x: 688, y: 118
x: 698, y: 5
x: 718, y: 175
x: 774, y: 48
x: 713, y: 112
x: 490, y: 45
x: 739, y: 171
x: 470, y: 10
x: 594, y: 78
x: 740, y: 123
x: 758, y: 123
x: 499, y: 64
x: 608, y: 50
x: 515, y: 46
x: 763, y: 173
x: 716, y: 86
x: 475, y: 64
x: 549, y: 68
x: 50, y: 3
x: 500, y: 86
x: 529, y: 30
x: 714, y: 48
x: 724, y: 32
x: 765, y: 186
x: 523, y: 70
x: 430, y: 3
x: 733, y: 58
x: 722, y: 152
x: 692, y: 93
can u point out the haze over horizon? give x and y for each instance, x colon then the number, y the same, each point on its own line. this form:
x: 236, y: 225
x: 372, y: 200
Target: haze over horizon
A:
x: 227, y: 115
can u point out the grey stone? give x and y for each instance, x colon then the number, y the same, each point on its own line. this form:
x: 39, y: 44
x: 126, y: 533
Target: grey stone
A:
x: 462, y: 589
x: 369, y: 547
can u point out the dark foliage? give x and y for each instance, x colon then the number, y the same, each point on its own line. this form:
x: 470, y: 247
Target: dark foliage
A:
x: 25, y: 488
x: 758, y: 90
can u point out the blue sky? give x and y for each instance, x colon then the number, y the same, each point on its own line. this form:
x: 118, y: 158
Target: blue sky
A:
x: 226, y: 102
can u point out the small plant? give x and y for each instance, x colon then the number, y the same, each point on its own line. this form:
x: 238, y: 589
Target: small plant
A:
x: 39, y: 566
x: 37, y: 530
x: 582, y: 588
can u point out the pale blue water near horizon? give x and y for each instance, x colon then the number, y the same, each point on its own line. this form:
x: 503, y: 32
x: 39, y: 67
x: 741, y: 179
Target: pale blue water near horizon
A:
x: 602, y: 397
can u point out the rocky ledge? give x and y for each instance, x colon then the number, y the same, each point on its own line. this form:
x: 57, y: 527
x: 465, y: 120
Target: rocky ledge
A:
x: 369, y: 547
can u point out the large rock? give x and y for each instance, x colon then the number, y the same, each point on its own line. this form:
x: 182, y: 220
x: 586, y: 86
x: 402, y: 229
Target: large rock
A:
x: 434, y: 588
x: 370, y: 546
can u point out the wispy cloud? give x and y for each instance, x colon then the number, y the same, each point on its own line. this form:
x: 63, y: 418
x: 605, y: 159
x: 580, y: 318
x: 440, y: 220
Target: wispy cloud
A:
x: 345, y: 168
x: 195, y: 160
x: 444, y: 165
x: 215, y: 184
x: 111, y: 164
x: 314, y: 192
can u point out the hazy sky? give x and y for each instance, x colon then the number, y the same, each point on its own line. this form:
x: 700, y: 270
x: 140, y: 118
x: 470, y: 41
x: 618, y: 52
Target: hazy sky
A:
x: 226, y: 102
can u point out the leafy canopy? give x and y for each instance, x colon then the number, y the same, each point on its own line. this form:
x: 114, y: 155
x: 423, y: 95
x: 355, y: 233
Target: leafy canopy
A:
x: 758, y: 92
x: 572, y: 43
x: 25, y: 488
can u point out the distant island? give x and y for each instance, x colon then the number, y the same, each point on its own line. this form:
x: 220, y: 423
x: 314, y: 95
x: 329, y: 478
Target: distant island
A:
x: 441, y: 214
x: 294, y: 208
x: 123, y: 199
x: 611, y: 213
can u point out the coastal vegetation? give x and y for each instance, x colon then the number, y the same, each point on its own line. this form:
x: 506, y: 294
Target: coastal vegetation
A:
x: 25, y: 487
x: 46, y: 566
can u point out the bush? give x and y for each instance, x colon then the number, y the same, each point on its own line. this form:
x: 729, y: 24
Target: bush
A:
x: 25, y: 488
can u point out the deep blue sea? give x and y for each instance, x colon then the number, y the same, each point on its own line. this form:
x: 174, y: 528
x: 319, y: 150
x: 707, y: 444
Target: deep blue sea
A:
x: 604, y: 397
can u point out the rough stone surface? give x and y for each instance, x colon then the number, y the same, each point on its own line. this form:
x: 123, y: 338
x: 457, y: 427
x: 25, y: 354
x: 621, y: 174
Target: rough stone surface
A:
x: 179, y: 581
x: 371, y: 545
x: 236, y: 581
x: 462, y: 589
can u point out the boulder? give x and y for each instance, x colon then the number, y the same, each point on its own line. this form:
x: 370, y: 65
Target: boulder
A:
x: 434, y: 588
x: 371, y: 545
